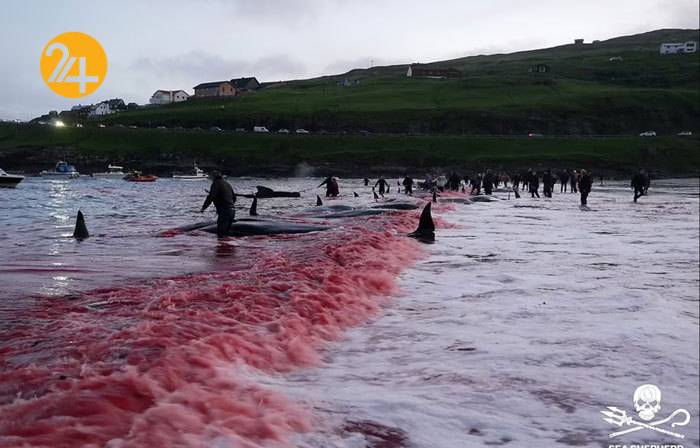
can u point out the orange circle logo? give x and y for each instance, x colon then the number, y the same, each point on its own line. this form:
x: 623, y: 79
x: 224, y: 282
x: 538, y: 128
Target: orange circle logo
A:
x: 73, y: 64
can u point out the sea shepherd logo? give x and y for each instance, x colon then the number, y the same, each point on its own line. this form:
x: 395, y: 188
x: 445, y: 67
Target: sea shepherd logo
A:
x: 647, y: 404
x: 73, y: 64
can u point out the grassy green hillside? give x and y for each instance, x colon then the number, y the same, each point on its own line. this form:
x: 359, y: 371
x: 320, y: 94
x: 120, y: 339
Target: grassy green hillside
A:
x: 585, y: 93
x: 266, y: 153
x: 417, y: 122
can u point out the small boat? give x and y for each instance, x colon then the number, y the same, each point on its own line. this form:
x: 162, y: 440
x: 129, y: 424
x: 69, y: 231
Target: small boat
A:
x: 136, y: 176
x: 9, y: 180
x: 197, y: 174
x: 113, y: 172
x: 62, y: 171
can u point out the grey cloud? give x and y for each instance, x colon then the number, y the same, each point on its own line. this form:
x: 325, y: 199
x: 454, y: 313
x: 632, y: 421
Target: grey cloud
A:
x: 201, y: 66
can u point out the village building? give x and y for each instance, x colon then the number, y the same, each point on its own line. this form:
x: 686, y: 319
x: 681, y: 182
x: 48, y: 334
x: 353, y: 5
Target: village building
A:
x: 168, y: 96
x: 538, y: 68
x: 245, y: 84
x: 214, y: 89
x: 116, y: 104
x: 101, y: 109
x: 426, y: 71
x: 678, y: 48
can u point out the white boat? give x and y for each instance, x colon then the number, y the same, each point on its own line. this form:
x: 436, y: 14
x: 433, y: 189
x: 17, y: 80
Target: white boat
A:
x: 113, y: 172
x: 9, y: 180
x: 197, y: 174
x: 62, y: 171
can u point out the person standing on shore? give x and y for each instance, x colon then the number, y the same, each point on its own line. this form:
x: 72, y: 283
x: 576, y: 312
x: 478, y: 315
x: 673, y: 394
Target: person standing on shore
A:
x: 585, y: 183
x: 222, y: 195
x: 408, y: 185
x: 331, y: 184
x: 382, y: 184
x: 533, y: 183
x: 638, y: 183
x: 563, y: 180
x: 573, y: 180
x: 487, y: 182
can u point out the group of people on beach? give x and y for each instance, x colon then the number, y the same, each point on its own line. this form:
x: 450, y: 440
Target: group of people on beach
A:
x: 576, y: 181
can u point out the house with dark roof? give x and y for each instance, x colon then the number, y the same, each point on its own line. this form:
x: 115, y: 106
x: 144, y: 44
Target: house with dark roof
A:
x: 426, y: 71
x: 538, y: 68
x: 214, y: 89
x: 116, y: 104
x: 243, y: 84
x: 168, y: 96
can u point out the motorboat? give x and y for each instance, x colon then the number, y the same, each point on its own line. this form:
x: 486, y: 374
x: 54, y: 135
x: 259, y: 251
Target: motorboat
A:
x: 62, y: 171
x: 9, y: 180
x: 197, y: 174
x: 137, y: 176
x: 113, y: 172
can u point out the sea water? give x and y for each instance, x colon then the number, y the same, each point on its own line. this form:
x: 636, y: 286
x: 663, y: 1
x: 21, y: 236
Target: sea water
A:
x: 524, y: 320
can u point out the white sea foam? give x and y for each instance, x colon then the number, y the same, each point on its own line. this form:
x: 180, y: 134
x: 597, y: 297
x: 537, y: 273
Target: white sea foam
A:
x: 522, y: 325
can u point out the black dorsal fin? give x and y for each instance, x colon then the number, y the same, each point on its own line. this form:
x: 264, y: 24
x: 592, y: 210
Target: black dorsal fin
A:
x: 81, y: 231
x: 356, y: 195
x: 318, y: 200
x: 254, y: 207
x: 376, y: 198
x: 426, y: 224
x: 434, y: 196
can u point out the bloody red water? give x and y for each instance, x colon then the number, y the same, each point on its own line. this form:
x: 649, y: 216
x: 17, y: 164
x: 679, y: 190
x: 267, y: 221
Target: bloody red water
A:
x: 173, y: 361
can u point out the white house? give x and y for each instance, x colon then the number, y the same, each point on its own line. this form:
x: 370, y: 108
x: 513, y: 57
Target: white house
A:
x: 168, y: 96
x: 675, y: 48
x: 101, y: 109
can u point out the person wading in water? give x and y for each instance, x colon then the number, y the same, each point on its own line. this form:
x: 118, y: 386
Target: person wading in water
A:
x: 223, y: 197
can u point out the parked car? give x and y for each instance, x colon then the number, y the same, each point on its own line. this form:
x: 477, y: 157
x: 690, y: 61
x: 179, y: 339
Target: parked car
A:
x: 260, y: 129
x: 685, y: 134
x: 648, y: 134
x: 162, y: 128
x: 133, y: 127
x: 99, y: 125
x: 302, y: 131
x: 240, y: 129
x: 534, y: 135
x: 616, y: 58
x: 78, y: 125
x: 178, y: 128
x: 196, y: 128
x: 283, y: 131
x: 215, y: 129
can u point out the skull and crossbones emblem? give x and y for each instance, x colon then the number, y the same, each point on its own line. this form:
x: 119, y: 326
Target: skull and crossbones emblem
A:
x: 647, y: 403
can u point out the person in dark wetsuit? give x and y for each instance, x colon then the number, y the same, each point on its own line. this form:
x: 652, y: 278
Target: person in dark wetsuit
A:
x: 331, y: 186
x: 584, y: 186
x: 408, y: 185
x: 453, y: 182
x: 223, y: 197
x: 563, y: 180
x: 638, y: 183
x: 475, y: 183
x: 487, y: 182
x: 382, y: 184
x: 647, y: 181
x: 366, y: 181
x: 533, y: 183
x: 548, y: 183
x: 573, y: 180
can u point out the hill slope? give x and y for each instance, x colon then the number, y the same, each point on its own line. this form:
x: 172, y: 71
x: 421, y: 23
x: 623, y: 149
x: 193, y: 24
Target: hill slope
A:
x: 584, y: 93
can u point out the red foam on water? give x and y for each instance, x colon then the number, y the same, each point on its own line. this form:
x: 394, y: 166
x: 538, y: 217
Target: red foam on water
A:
x: 168, y: 363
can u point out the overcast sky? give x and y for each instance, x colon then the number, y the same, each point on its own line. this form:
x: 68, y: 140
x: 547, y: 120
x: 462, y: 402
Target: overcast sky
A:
x: 176, y: 44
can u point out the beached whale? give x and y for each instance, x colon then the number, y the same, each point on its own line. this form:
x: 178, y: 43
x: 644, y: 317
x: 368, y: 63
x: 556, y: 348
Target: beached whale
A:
x: 250, y: 227
x: 265, y: 192
x: 397, y: 206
